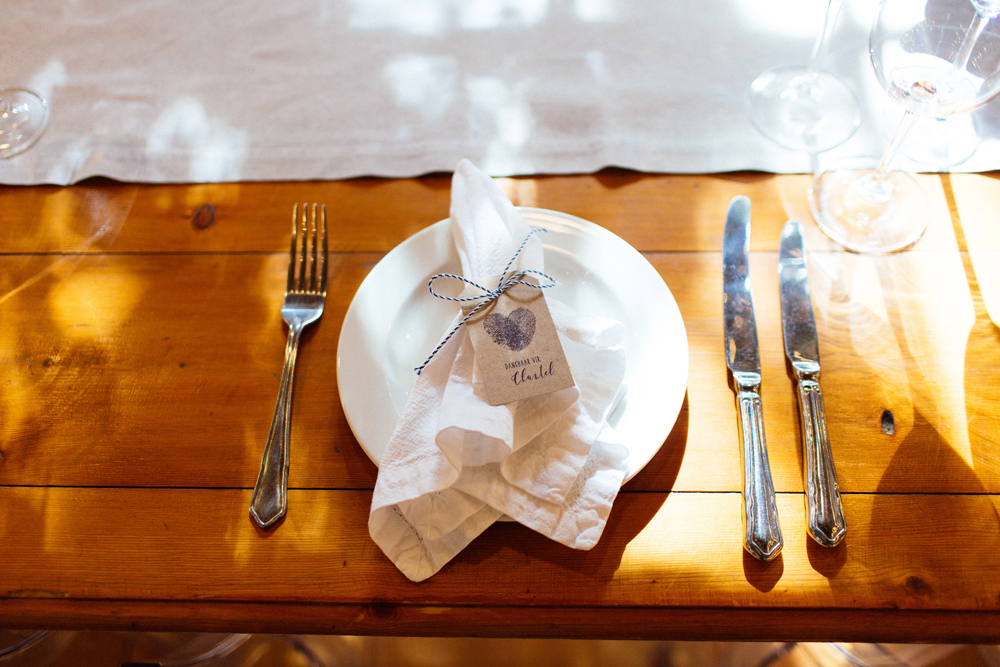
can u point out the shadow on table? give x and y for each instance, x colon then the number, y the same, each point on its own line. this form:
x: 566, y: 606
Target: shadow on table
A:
x: 919, y: 431
x: 763, y: 576
x: 926, y: 460
x: 943, y: 466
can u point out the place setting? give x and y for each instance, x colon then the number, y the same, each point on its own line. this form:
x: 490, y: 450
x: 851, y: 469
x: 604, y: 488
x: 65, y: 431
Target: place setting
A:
x: 521, y: 364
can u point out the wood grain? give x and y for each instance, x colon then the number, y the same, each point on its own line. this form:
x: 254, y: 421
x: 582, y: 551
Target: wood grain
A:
x: 129, y: 369
x: 679, y: 549
x: 412, y: 620
x: 140, y: 346
x: 654, y: 212
x: 673, y: 550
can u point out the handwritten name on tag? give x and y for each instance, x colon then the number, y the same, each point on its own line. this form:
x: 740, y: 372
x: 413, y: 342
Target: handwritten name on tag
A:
x: 517, y: 347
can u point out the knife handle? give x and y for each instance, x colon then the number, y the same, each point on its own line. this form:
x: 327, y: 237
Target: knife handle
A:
x: 762, y: 534
x: 824, y: 512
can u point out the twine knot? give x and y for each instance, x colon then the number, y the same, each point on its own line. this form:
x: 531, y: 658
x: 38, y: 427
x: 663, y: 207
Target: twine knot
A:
x: 487, y: 295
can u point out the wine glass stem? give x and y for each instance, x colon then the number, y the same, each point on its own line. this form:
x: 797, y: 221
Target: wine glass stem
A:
x: 892, y: 152
x: 971, y: 35
x: 832, y: 9
x: 813, y: 161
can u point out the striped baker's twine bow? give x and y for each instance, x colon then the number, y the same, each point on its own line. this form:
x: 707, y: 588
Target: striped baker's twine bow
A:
x: 488, y: 295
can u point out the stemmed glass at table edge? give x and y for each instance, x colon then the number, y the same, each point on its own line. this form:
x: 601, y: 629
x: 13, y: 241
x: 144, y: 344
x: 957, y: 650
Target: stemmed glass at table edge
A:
x: 23, y: 117
x: 803, y: 107
x: 876, y: 210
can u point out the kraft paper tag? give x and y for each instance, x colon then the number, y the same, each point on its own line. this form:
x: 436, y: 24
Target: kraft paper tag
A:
x: 517, y: 348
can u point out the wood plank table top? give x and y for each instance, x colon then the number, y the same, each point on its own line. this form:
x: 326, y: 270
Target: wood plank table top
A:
x: 141, y: 345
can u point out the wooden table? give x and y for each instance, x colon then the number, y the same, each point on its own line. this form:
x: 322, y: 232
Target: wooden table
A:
x: 140, y: 348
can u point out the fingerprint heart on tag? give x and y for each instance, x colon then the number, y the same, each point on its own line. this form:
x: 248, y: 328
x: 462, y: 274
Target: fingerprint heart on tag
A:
x: 513, y: 331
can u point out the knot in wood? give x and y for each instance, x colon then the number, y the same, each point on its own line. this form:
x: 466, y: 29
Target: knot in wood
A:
x: 888, y: 423
x: 916, y: 586
x: 203, y: 217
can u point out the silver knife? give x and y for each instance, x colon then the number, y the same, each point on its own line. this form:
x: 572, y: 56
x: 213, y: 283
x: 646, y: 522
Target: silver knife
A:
x: 762, y: 535
x: 824, y: 512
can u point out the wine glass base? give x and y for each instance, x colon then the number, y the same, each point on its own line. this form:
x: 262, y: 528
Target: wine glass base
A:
x: 943, y: 142
x: 803, y: 110
x: 868, y: 215
x: 23, y: 116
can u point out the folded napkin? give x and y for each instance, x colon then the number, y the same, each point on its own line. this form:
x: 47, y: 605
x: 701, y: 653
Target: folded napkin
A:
x: 455, y: 464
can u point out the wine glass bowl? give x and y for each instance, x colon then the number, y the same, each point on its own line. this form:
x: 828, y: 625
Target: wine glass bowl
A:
x: 936, y: 58
x: 942, y: 65
x: 23, y: 116
x: 803, y: 107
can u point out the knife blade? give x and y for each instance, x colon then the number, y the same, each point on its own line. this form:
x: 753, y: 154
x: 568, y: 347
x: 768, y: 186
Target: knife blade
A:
x: 824, y: 512
x: 762, y: 534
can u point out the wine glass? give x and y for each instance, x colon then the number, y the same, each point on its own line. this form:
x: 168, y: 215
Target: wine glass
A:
x: 936, y: 58
x: 23, y: 115
x: 803, y: 108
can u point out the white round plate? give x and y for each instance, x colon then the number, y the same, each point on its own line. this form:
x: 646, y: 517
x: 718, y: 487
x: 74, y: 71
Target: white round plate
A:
x: 393, y: 323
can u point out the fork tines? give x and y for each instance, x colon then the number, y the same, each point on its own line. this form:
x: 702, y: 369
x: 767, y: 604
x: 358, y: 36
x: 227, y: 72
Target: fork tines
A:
x: 308, y: 258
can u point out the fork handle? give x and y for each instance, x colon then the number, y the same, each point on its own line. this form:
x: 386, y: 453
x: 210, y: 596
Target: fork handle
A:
x: 270, y: 495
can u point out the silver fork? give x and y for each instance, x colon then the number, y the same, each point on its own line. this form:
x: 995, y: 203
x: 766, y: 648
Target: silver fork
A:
x: 304, y: 298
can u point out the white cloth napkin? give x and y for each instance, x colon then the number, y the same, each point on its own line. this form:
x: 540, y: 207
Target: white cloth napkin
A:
x: 455, y: 464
